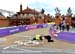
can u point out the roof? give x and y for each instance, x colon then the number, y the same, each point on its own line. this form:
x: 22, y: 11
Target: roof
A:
x: 29, y: 10
x: 1, y: 14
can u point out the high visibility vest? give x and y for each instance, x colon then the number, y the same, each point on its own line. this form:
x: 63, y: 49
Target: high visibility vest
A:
x: 37, y: 37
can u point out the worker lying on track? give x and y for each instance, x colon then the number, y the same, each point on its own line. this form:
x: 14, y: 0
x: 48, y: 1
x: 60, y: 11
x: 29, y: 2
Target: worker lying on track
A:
x: 48, y: 38
x: 38, y: 37
x: 36, y: 40
x: 42, y: 37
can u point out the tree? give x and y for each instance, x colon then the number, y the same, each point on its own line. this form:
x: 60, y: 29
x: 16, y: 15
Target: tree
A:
x: 42, y: 11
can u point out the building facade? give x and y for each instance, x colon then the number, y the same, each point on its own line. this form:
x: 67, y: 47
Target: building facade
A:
x: 29, y: 16
x: 3, y: 21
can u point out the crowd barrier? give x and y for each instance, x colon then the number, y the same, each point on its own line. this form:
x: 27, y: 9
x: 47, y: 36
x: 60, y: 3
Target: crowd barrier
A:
x: 15, y: 29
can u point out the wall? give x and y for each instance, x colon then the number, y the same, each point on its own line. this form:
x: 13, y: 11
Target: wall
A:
x: 69, y: 20
x: 40, y: 21
x: 4, y: 22
x: 57, y: 21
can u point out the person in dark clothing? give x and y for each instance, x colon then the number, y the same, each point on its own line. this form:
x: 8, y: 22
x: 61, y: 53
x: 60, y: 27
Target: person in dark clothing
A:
x: 63, y: 27
x: 60, y: 26
x: 63, y: 24
x: 67, y: 27
x: 57, y: 27
x: 48, y: 37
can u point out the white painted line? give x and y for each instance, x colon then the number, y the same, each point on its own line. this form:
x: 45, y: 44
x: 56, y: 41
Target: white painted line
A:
x: 12, y: 46
x: 21, y: 49
x: 6, y: 47
x: 27, y: 50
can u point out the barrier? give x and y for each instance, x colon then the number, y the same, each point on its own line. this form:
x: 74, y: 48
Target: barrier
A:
x: 4, y: 32
x: 16, y: 29
x: 40, y: 26
x: 23, y: 28
x: 30, y: 27
x: 45, y: 25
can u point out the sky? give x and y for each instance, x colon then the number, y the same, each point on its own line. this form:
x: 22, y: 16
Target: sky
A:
x: 48, y: 5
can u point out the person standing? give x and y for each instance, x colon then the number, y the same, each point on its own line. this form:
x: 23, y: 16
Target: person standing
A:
x: 63, y: 27
x: 63, y: 24
x: 60, y: 26
x: 67, y: 26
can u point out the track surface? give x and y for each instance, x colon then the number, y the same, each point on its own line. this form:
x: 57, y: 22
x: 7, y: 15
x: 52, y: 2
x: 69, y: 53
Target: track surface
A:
x: 57, y: 47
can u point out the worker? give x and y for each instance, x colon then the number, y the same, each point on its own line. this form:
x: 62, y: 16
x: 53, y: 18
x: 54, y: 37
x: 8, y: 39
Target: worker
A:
x: 48, y: 38
x: 38, y: 37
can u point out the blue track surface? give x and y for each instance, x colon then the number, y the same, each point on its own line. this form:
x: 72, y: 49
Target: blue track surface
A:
x: 66, y: 36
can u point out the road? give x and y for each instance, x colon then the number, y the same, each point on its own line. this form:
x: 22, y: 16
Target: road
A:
x: 52, y: 48
x: 14, y: 50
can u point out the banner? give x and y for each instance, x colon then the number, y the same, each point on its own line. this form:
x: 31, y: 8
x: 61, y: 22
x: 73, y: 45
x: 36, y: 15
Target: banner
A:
x: 13, y: 30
